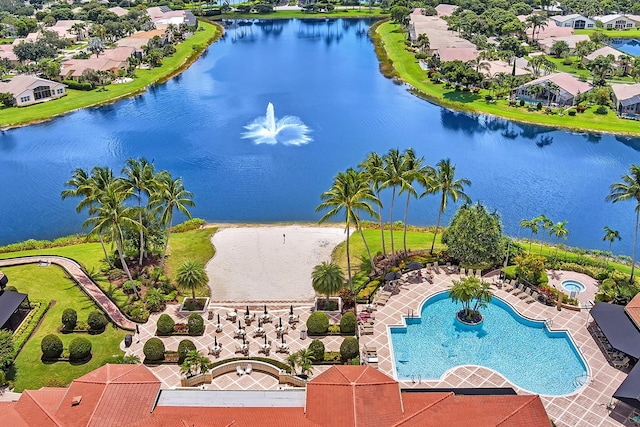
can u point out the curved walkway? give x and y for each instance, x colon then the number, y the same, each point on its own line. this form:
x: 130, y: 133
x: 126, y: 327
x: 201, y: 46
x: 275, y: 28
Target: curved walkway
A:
x: 88, y: 286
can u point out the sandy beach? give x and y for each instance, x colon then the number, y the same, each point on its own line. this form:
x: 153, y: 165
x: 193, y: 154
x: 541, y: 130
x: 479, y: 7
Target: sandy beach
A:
x: 268, y: 263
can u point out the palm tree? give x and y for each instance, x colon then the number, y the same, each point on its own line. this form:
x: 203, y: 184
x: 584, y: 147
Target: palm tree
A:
x: 194, y: 363
x: 140, y: 179
x: 412, y: 170
x: 559, y: 230
x: 443, y: 181
x: 170, y: 195
x: 393, y: 177
x: 535, y: 21
x: 479, y: 64
x: 292, y: 361
x: 112, y: 216
x: 305, y: 361
x: 327, y: 278
x: 535, y: 91
x: 191, y: 276
x: 373, y: 167
x: 468, y: 290
x: 610, y: 236
x: 533, y: 225
x: 350, y: 193
x: 552, y: 89
x: 423, y: 42
x: 546, y: 224
x: 628, y: 189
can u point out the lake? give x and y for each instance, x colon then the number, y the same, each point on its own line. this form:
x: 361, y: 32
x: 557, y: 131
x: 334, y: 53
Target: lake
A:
x: 325, y: 73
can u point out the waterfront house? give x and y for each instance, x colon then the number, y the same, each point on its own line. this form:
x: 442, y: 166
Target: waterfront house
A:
x: 615, y: 22
x: 575, y: 21
x: 110, y: 60
x: 165, y: 15
x: 606, y: 51
x: 568, y: 88
x: 118, y: 11
x: 547, y: 43
x: 626, y: 98
x: 27, y: 90
x: 548, y: 32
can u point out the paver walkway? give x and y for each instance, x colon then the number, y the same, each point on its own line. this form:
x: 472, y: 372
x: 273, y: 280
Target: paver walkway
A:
x: 90, y: 288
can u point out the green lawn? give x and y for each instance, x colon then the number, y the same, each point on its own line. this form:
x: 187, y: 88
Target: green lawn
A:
x: 190, y: 245
x: 52, y: 284
x: 614, y: 34
x: 409, y: 70
x: 81, y: 99
x: 571, y: 69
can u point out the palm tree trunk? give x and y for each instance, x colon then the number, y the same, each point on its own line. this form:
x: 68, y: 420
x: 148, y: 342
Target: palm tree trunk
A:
x: 607, y: 257
x: 633, y: 252
x: 166, y: 244
x: 141, y: 235
x: 435, y: 233
x: 373, y: 266
x: 555, y: 257
x: 349, y: 261
x: 393, y: 247
x: 530, y: 241
x: 404, y: 238
x: 104, y: 249
x: 122, y: 260
x: 384, y: 247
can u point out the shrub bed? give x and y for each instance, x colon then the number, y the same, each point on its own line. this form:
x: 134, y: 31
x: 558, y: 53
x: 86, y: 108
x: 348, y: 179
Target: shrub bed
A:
x: 29, y: 324
x: 330, y: 358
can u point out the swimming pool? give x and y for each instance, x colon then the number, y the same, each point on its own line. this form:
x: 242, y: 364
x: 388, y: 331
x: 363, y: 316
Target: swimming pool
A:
x: 522, y: 350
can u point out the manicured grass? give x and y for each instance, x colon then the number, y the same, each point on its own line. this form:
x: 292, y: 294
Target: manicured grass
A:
x: 289, y: 14
x: 416, y: 240
x: 409, y: 70
x: 190, y: 245
x: 51, y: 283
x: 633, y: 33
x: 571, y: 69
x: 80, y: 99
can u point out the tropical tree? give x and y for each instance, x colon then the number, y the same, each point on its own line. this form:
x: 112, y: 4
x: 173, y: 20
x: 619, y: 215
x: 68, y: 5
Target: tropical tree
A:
x: 412, y: 170
x: 423, y: 42
x: 559, y: 49
x: 170, y: 195
x: 96, y: 45
x: 535, y: 22
x: 194, y: 363
x: 292, y: 361
x: 470, y: 290
x: 373, y: 167
x: 139, y: 177
x: 393, y: 178
x: 559, y: 230
x: 552, y: 90
x: 350, y: 195
x: 532, y: 224
x: 601, y: 67
x: 479, y: 64
x: 610, y: 236
x: 191, y: 276
x: 442, y: 180
x: 628, y: 189
x: 327, y: 278
x: 541, y: 62
x: 305, y: 361
x: 546, y: 224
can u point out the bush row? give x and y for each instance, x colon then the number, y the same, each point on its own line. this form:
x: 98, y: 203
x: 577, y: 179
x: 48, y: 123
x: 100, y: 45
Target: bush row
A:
x: 96, y: 322
x: 29, y: 324
x: 167, y: 326
x: 318, y: 324
x: 52, y: 348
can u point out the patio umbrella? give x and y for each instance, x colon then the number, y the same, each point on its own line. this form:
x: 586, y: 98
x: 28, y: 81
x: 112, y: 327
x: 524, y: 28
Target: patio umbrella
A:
x: 280, y: 321
x: 218, y: 317
x: 247, y: 312
x: 265, y: 340
x: 243, y: 340
x: 392, y: 275
x: 259, y: 323
x: 215, y: 341
x: 283, y: 339
x: 265, y: 309
x: 239, y: 325
x: 414, y: 266
x: 291, y: 310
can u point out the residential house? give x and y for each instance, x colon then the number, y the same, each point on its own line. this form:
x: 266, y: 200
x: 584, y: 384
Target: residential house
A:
x: 615, y: 22
x: 575, y: 21
x: 445, y: 10
x: 129, y: 395
x: 110, y: 60
x: 568, y: 87
x: 442, y: 41
x: 571, y: 41
x: 463, y: 54
x: 6, y: 51
x: 626, y: 98
x: 549, y: 31
x: 64, y: 29
x: 29, y: 90
x: 606, y: 51
x: 495, y: 67
x: 165, y: 15
x: 118, y: 11
x: 634, y: 18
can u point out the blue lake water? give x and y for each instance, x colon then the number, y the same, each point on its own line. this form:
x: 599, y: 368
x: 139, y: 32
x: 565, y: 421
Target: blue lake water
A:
x: 326, y: 74
x: 628, y: 46
x: 523, y: 351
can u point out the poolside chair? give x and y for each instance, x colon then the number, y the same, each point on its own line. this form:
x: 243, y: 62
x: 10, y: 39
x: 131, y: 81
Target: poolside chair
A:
x: 371, y: 361
x: 620, y: 364
x: 239, y: 371
x: 525, y: 294
x: 249, y: 369
x: 534, y: 297
x: 435, y: 267
x: 366, y: 329
x: 634, y: 418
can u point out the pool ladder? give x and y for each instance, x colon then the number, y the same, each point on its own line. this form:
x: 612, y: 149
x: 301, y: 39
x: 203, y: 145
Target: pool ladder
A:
x: 581, y: 380
x: 410, y: 313
x: 416, y: 377
x: 548, y: 323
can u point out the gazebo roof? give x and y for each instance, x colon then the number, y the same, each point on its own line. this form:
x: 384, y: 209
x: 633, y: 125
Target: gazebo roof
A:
x: 9, y: 302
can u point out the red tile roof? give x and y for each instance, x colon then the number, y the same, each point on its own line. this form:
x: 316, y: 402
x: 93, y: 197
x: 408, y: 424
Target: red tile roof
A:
x: 633, y: 307
x: 10, y: 416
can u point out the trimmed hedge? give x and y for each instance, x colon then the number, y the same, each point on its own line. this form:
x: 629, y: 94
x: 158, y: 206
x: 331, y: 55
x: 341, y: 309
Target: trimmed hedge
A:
x: 183, y: 348
x: 97, y: 321
x: 317, y: 323
x: 349, y: 348
x: 51, y: 347
x: 77, y: 85
x: 69, y: 318
x: 165, y: 324
x: 154, y: 350
x: 348, y: 323
x: 29, y: 324
x: 317, y: 348
x: 79, y: 349
x: 196, y: 324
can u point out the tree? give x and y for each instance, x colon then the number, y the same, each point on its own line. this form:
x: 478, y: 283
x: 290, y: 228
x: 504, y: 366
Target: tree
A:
x: 535, y: 22
x: 610, y: 236
x: 530, y: 268
x: 7, y: 99
x: 531, y: 224
x: 96, y: 45
x: 393, y: 177
x: 373, y: 167
x: 628, y: 189
x: 552, y: 90
x: 194, y: 363
x: 305, y: 361
x: 400, y: 15
x: 327, y: 278
x: 412, y: 170
x: 423, y: 43
x: 559, y: 49
x: 442, y: 180
x: 7, y: 350
x: 170, y: 195
x: 479, y: 64
x: 541, y: 62
x: 139, y: 177
x: 601, y: 67
x: 559, y: 230
x: 191, y: 276
x: 350, y: 195
x: 546, y: 224
x: 474, y: 237
x: 470, y: 290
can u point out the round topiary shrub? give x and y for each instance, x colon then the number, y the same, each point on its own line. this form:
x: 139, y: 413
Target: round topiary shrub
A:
x: 165, y: 324
x: 522, y: 102
x: 69, y: 319
x: 348, y: 323
x: 539, y: 106
x: 51, y: 347
x: 317, y: 348
x: 349, y: 348
x: 196, y: 324
x: 184, y: 347
x: 97, y: 321
x: 317, y: 323
x: 154, y: 350
x: 79, y: 349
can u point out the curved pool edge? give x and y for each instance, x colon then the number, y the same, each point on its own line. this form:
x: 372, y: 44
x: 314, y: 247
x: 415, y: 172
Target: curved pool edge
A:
x: 575, y: 345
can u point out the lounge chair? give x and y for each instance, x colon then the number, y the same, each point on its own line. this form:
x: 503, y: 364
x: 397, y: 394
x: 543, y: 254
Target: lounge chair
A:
x: 463, y: 271
x: 249, y: 369
x: 371, y: 361
x: 634, y: 418
x: 239, y: 371
x: 366, y: 329
x: 521, y: 288
x: 525, y: 294
x: 435, y: 267
x: 534, y: 297
x: 620, y: 364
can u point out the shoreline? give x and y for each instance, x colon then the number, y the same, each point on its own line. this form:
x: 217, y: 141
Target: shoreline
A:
x: 388, y: 69
x: 185, y: 64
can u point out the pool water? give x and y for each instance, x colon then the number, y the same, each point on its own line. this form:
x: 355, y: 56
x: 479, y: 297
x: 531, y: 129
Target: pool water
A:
x: 628, y: 46
x: 523, y: 351
x: 573, y: 286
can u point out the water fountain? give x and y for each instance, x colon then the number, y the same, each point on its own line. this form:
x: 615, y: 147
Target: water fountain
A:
x: 289, y: 130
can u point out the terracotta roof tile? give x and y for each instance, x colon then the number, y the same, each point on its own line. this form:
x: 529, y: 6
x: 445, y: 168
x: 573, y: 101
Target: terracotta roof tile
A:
x: 633, y: 307
x: 171, y: 416
x: 34, y: 413
x: 11, y: 417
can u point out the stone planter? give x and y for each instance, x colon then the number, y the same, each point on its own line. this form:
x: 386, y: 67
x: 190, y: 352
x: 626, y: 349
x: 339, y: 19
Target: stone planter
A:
x: 467, y: 324
x: 205, y: 307
x: 319, y: 301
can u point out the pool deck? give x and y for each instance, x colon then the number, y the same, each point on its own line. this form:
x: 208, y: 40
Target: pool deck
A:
x: 587, y: 407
